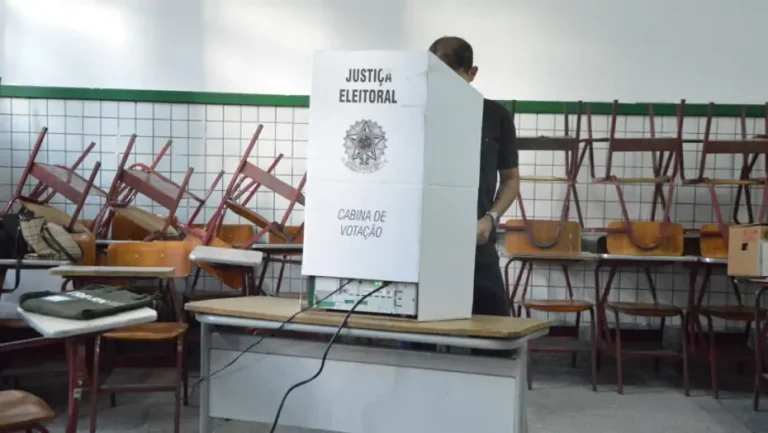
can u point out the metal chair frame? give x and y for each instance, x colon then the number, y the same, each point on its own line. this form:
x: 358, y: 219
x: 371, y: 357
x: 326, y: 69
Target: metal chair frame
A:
x: 58, y: 179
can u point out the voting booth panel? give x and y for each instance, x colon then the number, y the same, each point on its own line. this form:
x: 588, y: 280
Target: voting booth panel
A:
x: 393, y: 161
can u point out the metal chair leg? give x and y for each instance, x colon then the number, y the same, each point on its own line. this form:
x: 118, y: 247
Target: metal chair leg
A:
x: 574, y: 355
x: 185, y: 370
x: 529, y: 370
x: 179, y: 379
x: 686, y: 367
x: 712, y: 358
x: 619, y: 360
x: 95, y: 384
x: 593, y: 337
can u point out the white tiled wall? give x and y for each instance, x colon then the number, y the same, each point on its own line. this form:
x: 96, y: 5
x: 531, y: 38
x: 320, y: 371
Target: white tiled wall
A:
x: 210, y: 138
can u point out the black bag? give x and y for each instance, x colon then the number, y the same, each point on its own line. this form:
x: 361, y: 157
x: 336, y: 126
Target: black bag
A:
x: 92, y: 302
x: 12, y: 243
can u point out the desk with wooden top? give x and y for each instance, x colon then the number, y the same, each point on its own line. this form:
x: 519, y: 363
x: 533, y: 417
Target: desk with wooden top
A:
x: 80, y: 275
x: 361, y: 389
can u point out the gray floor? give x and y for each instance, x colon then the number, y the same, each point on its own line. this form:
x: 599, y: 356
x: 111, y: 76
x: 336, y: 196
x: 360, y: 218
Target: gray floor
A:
x: 561, y: 401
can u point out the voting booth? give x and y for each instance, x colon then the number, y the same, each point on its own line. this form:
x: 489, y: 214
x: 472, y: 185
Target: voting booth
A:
x: 393, y: 172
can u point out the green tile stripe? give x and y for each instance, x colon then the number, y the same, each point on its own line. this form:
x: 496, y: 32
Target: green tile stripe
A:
x: 170, y: 96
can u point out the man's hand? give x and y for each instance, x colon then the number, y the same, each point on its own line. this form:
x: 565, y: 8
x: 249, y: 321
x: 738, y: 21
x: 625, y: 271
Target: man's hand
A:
x: 484, y: 229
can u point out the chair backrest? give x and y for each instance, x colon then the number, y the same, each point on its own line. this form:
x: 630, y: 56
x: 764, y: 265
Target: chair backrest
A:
x: 236, y: 235
x: 153, y: 254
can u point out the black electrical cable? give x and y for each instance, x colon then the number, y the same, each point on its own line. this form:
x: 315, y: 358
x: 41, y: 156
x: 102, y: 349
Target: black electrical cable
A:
x: 325, y: 355
x: 282, y: 325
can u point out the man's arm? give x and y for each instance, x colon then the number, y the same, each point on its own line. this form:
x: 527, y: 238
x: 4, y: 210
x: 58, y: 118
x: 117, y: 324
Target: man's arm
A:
x: 509, y: 175
x: 509, y: 186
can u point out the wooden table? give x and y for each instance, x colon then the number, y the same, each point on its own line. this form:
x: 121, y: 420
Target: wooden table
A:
x: 78, y: 272
x: 75, y: 333
x: 362, y: 389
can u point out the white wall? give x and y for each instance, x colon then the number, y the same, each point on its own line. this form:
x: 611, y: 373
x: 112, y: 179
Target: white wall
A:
x: 657, y: 50
x: 3, y: 15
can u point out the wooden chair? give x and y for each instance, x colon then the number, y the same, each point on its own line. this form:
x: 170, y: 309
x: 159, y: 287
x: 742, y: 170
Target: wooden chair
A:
x: 137, y: 179
x: 148, y: 254
x: 714, y: 237
x: 227, y: 236
x: 55, y: 179
x: 650, y: 240
x: 643, y: 238
x: 737, y: 350
x: 551, y: 242
x: 21, y: 411
x: 247, y: 180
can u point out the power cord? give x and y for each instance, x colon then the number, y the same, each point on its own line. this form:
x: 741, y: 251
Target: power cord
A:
x: 256, y: 343
x: 325, y: 355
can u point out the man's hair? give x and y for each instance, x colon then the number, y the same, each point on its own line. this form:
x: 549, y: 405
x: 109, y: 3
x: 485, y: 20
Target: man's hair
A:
x: 454, y: 52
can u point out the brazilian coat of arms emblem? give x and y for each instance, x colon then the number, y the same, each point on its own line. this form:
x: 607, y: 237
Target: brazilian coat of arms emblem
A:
x: 364, y: 146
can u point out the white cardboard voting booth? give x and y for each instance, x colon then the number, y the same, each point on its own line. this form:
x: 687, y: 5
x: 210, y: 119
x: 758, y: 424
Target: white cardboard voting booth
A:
x: 393, y: 166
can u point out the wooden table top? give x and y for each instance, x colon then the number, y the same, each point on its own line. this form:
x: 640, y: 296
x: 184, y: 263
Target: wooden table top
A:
x: 280, y: 309
x: 114, y: 271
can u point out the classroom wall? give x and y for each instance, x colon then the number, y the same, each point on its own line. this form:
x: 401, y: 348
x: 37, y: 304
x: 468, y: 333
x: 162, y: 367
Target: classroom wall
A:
x: 547, y: 50
x: 654, y: 50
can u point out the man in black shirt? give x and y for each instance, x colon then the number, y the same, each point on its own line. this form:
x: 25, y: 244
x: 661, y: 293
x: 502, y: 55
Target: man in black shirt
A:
x: 498, y: 159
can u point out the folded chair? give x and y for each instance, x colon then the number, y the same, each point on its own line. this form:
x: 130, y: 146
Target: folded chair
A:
x: 130, y: 181
x: 148, y: 254
x: 551, y: 242
x: 56, y: 180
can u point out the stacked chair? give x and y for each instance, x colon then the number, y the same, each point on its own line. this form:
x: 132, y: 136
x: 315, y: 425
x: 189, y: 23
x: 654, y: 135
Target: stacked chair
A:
x: 552, y: 242
x: 136, y: 237
x: 641, y: 244
x: 714, y: 241
x: 247, y: 180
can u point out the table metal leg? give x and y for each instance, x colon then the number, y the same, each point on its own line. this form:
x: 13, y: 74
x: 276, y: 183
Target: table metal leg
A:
x: 521, y: 421
x: 205, y: 372
x: 75, y: 348
x: 263, y: 275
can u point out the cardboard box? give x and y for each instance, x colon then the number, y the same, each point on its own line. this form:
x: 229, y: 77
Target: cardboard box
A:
x: 393, y: 170
x: 748, y: 251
